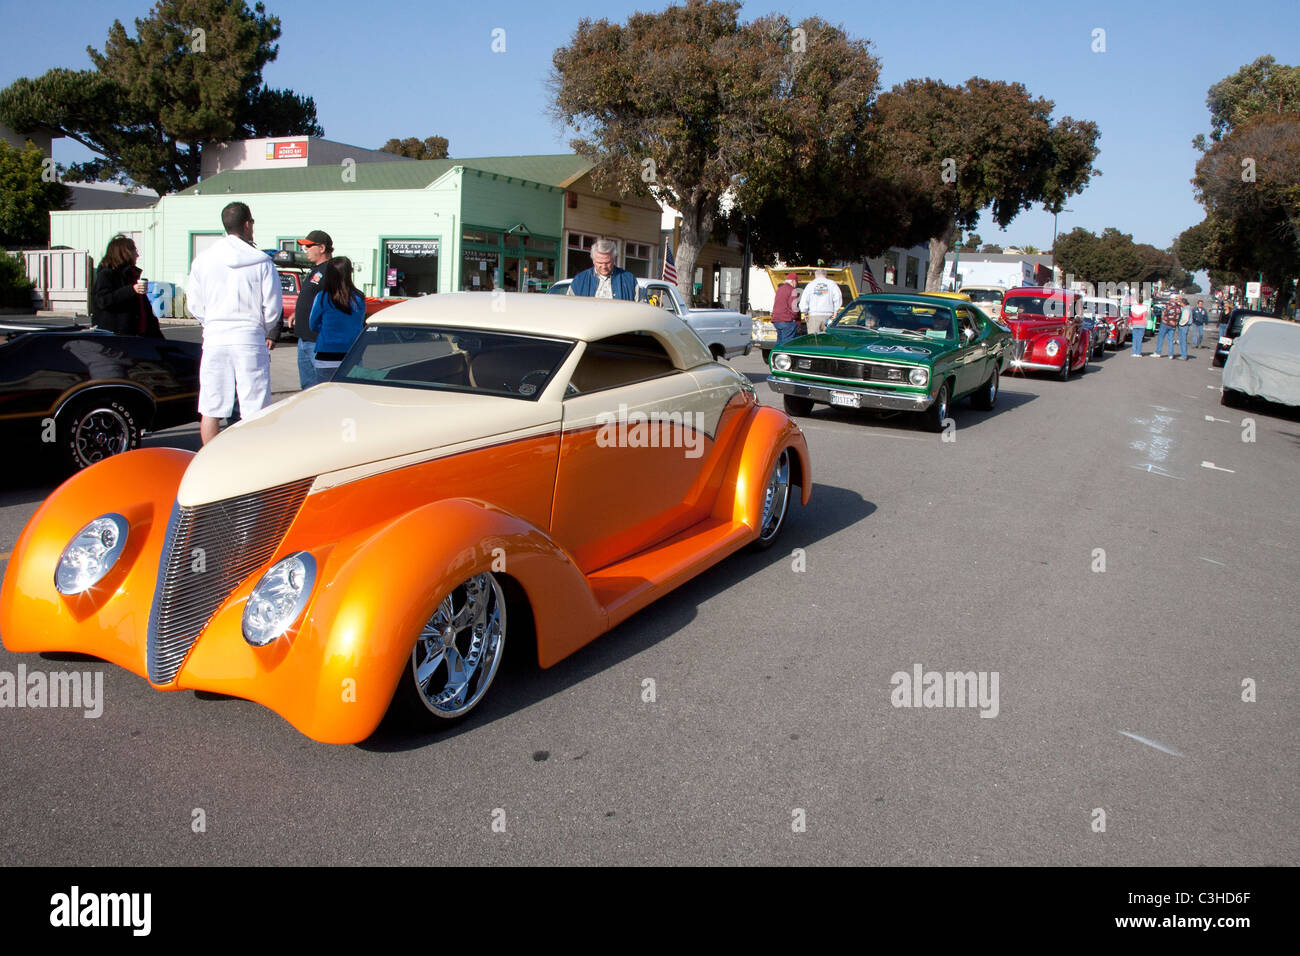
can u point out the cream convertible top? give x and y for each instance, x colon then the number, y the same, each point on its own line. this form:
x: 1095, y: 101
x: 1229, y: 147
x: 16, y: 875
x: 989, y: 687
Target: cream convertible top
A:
x: 387, y: 427
x: 566, y: 317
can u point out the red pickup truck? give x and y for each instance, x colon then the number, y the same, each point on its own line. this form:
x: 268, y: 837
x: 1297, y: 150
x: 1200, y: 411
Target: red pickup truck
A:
x: 294, y: 268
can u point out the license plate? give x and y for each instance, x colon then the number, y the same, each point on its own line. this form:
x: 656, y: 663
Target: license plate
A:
x: 845, y: 398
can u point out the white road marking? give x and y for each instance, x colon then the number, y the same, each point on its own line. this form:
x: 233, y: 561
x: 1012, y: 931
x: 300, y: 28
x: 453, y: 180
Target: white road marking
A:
x: 1212, y: 561
x: 1217, y: 388
x: 1211, y: 418
x: 1213, y: 466
x: 1155, y: 470
x: 1151, y: 743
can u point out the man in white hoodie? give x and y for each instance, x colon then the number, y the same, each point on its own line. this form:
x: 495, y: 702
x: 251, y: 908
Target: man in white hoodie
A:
x: 820, y: 301
x: 234, y: 292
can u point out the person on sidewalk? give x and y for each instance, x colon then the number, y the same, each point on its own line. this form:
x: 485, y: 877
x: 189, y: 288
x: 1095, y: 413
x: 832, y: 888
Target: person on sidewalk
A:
x: 1137, y: 323
x: 337, y: 317
x: 119, y: 294
x: 234, y: 292
x: 785, y: 309
x: 820, y: 301
x: 1168, y: 327
x: 319, y: 249
x: 1184, y: 323
x: 1199, y: 318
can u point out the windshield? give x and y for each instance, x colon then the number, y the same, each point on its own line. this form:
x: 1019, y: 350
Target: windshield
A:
x: 1033, y: 306
x: 455, y: 360
x: 984, y: 295
x: 898, y: 318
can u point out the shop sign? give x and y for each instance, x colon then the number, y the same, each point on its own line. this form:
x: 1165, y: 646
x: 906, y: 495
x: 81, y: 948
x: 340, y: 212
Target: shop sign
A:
x: 415, y: 248
x: 290, y: 149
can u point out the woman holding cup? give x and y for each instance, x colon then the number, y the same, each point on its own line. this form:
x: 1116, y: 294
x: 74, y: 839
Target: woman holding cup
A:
x: 118, y: 299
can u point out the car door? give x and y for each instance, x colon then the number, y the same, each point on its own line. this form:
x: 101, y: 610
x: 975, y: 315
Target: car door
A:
x: 633, y: 452
x: 972, y: 352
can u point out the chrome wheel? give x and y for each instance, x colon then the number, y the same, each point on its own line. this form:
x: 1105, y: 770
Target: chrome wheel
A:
x: 459, y: 649
x: 776, y: 499
x: 99, y: 434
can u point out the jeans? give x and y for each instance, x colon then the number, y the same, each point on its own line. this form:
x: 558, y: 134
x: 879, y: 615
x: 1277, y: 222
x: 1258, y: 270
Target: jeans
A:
x: 1166, y: 332
x: 1138, y: 331
x: 1198, y: 330
x: 307, y: 376
x: 785, y: 331
x: 1182, y: 342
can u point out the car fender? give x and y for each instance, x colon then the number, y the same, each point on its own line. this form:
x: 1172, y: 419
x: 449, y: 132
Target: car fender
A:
x: 104, y: 621
x: 769, y: 430
x: 338, y: 678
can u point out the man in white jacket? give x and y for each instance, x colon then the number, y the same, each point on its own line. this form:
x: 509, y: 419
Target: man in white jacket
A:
x: 234, y: 292
x: 820, y: 301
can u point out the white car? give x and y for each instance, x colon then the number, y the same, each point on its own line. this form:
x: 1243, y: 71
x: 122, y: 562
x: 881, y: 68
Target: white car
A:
x: 725, y: 333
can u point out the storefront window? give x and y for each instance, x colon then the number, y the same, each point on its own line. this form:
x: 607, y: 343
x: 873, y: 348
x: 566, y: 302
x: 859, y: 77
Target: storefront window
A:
x: 913, y: 272
x: 489, y: 237
x: 891, y: 268
x: 410, y: 267
x: 638, y: 259
x: 478, y: 270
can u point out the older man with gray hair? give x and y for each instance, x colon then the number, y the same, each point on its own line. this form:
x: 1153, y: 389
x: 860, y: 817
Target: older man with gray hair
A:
x: 604, y: 280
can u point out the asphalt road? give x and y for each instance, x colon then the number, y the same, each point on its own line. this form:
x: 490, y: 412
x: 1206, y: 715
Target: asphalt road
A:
x: 773, y: 686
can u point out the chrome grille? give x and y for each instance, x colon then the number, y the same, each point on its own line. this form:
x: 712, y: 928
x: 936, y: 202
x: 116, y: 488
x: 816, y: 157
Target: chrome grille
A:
x: 849, y: 369
x: 236, y: 537
x: 1018, y: 350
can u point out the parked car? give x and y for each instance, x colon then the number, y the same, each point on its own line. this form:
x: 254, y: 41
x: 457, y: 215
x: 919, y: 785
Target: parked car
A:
x: 987, y: 297
x: 1101, y: 317
x: 88, y: 394
x: 1048, y: 327
x: 724, y: 332
x: 914, y: 353
x: 1229, y: 331
x: 1264, y: 363
x: 764, y: 332
x: 470, y: 484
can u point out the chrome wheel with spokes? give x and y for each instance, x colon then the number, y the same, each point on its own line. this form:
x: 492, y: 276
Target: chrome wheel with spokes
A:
x: 459, y: 650
x: 776, y: 500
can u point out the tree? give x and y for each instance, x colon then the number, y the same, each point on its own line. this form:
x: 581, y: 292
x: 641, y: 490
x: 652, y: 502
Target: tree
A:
x: 1249, y: 184
x: 431, y: 147
x: 1113, y: 257
x: 982, y: 145
x: 28, y: 191
x: 1030, y: 250
x: 971, y: 242
x: 690, y: 105
x: 1257, y: 88
x: 991, y: 248
x: 191, y: 76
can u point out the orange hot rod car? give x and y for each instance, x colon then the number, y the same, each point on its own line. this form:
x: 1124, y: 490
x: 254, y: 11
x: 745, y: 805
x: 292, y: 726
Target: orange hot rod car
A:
x: 533, y: 466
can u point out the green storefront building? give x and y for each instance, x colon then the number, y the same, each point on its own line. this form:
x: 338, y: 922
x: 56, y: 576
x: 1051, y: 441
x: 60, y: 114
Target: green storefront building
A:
x: 410, y: 228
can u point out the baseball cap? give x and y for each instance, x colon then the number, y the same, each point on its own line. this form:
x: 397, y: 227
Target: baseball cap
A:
x: 316, y: 237
x: 792, y: 275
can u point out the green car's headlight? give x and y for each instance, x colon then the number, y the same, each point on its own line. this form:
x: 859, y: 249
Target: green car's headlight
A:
x: 279, y: 598
x: 918, y: 376
x: 781, y: 362
x: 91, y: 554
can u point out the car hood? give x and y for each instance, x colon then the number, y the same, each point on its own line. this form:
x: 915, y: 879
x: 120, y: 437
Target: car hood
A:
x: 870, y: 346
x: 337, y: 426
x: 1031, y: 326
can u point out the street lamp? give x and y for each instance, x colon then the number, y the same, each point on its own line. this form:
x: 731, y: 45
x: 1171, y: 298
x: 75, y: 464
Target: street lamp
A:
x: 1054, y: 215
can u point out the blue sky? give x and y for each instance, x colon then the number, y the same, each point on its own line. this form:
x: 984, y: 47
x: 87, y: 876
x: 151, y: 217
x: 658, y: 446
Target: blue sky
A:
x: 403, y: 69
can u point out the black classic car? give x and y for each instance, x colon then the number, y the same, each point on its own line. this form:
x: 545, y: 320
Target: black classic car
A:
x: 86, y: 394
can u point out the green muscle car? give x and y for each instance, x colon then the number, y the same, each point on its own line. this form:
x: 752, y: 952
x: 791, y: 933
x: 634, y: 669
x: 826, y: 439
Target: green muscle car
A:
x: 917, y: 353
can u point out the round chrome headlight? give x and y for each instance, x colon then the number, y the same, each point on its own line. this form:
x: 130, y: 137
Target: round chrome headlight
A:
x: 1052, y: 348
x: 279, y: 598
x: 781, y: 362
x: 91, y: 554
x: 918, y: 376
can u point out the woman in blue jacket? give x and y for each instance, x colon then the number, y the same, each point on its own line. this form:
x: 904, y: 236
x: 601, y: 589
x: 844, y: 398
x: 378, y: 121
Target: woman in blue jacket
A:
x: 338, y: 315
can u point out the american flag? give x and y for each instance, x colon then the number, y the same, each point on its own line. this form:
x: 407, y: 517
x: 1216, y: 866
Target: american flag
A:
x: 868, y: 277
x: 670, y: 267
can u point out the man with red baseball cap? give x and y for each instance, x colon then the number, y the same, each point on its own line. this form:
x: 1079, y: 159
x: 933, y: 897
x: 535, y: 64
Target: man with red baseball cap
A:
x: 319, y: 248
